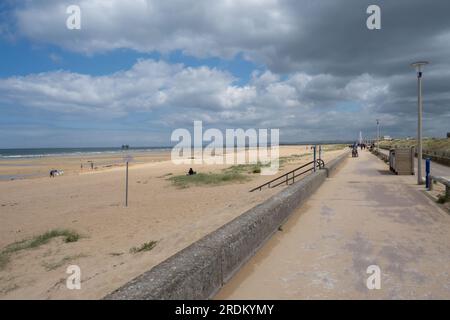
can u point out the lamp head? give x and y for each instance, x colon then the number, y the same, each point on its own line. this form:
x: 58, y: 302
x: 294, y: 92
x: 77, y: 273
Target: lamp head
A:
x: 419, y: 64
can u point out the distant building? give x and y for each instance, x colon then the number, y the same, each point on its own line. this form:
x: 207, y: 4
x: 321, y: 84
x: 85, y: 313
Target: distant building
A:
x: 387, y: 138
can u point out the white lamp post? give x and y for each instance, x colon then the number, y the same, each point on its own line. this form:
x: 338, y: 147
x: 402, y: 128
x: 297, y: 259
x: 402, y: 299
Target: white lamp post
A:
x: 378, y: 135
x: 419, y: 66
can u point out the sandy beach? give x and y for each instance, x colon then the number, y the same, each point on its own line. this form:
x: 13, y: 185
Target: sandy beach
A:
x: 38, y: 167
x: 91, y: 202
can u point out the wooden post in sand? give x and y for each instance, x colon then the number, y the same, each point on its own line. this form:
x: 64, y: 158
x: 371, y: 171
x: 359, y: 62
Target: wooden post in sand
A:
x: 127, y: 158
x: 126, y: 189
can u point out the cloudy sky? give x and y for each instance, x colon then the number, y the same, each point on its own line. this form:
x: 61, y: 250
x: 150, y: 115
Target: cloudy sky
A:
x: 139, y: 69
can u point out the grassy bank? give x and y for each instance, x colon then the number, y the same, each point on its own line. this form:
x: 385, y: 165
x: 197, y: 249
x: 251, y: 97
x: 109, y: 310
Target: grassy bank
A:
x: 429, y: 144
x: 184, y: 181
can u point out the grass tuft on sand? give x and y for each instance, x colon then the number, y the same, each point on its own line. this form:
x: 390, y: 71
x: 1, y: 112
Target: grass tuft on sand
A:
x: 55, y: 265
x: 293, y: 158
x: 144, y: 247
x: 334, y: 147
x: 246, y: 168
x: 184, y: 181
x: 236, y: 173
x: 69, y: 236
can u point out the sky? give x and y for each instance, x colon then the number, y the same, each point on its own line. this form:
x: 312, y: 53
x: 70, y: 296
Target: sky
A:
x: 139, y: 69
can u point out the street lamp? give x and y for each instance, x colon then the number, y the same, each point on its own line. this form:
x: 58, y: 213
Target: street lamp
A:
x: 419, y: 66
x: 378, y: 135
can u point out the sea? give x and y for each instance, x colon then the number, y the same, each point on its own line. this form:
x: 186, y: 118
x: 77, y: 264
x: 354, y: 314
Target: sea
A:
x: 52, y: 152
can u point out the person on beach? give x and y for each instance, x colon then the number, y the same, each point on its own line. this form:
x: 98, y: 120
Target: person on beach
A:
x: 191, y: 172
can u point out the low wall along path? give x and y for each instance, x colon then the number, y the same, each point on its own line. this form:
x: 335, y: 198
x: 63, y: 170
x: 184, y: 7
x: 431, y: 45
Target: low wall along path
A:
x: 201, y: 269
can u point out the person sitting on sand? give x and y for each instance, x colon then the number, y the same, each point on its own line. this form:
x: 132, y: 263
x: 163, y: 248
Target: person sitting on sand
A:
x: 191, y: 172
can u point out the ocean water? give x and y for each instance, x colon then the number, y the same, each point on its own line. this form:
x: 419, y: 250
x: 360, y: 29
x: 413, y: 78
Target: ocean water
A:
x: 47, y: 152
x: 51, y: 152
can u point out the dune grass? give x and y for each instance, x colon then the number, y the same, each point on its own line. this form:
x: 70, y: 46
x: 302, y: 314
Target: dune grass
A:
x: 237, y: 173
x: 166, y: 175
x: 292, y: 158
x: 55, y: 265
x: 429, y: 144
x: 34, y: 242
x: 144, y: 247
x: 333, y: 147
x: 116, y: 254
x: 184, y: 181
x: 246, y: 168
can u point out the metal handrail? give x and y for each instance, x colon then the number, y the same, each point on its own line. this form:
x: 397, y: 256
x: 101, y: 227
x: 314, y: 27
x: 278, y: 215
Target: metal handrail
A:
x: 285, y: 179
x: 444, y: 181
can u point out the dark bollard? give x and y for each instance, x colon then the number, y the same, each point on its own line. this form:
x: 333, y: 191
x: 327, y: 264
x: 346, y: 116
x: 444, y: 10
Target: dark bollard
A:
x: 427, y: 172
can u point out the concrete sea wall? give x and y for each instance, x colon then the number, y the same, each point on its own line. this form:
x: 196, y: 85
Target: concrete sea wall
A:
x: 200, y: 270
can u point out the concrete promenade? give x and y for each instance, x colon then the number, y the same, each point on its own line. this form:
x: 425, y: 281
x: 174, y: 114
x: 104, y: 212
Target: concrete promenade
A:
x: 362, y: 216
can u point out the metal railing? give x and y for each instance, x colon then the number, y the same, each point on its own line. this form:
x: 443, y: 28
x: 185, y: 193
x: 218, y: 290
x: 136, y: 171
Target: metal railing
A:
x: 291, y: 175
x: 442, y: 180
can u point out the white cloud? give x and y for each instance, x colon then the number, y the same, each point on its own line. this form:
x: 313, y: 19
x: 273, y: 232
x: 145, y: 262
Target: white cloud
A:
x: 305, y: 35
x: 183, y: 94
x: 201, y: 28
x: 319, y: 57
x: 366, y: 88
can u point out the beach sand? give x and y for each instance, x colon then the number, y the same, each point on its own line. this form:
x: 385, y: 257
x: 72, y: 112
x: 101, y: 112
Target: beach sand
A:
x: 92, y: 203
x: 38, y: 167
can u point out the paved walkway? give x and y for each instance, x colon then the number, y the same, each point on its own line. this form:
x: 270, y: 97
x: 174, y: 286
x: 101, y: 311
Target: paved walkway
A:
x: 362, y: 216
